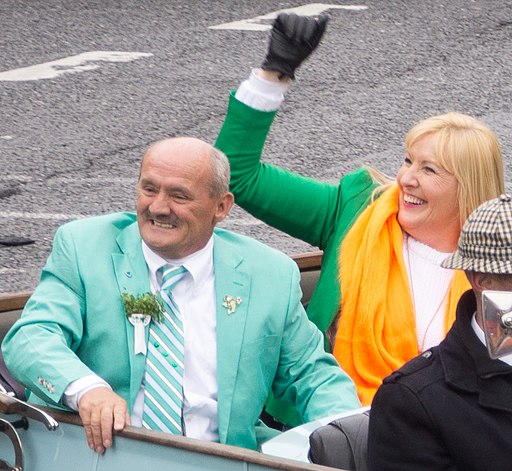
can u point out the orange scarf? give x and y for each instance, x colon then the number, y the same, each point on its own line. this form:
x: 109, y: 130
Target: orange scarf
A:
x: 377, y: 328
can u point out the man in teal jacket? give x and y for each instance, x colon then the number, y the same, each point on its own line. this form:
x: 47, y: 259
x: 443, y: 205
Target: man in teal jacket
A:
x: 245, y: 330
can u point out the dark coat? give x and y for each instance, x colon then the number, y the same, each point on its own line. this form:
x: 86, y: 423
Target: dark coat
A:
x: 449, y: 408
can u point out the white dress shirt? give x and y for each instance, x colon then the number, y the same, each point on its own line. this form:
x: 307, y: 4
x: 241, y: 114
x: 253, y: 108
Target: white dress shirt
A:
x: 195, y: 295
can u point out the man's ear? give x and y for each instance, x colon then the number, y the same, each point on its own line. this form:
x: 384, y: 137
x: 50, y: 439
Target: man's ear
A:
x: 224, y: 206
x: 479, y: 281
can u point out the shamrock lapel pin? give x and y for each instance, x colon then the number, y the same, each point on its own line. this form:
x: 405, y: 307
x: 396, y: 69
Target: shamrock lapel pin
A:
x: 231, y: 303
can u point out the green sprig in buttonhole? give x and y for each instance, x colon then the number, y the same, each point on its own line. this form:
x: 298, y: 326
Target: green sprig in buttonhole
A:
x: 147, y: 304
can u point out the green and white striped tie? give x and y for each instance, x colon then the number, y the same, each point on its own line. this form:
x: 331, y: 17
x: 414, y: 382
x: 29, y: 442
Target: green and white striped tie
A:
x: 163, y: 395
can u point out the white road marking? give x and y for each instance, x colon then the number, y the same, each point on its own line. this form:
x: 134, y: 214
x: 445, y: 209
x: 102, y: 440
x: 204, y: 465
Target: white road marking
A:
x: 70, y: 179
x: 6, y: 271
x: 69, y: 65
x: 258, y: 23
x: 250, y: 221
x: 241, y: 222
x: 45, y: 216
x: 16, y: 178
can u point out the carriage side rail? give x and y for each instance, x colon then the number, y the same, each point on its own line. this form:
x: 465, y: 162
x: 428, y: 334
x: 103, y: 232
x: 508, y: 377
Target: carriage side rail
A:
x: 13, y: 301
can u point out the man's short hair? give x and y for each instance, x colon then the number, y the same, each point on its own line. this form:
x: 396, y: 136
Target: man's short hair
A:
x: 219, y: 183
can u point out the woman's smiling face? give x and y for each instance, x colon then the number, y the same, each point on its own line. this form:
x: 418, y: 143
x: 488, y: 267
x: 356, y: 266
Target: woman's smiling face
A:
x: 428, y: 208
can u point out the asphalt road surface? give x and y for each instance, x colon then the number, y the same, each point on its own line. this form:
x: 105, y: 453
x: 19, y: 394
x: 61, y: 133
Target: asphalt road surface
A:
x: 86, y: 86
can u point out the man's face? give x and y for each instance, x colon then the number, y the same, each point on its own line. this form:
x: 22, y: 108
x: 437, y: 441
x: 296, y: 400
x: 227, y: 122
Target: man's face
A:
x: 488, y: 281
x: 498, y: 282
x: 175, y: 212
x: 498, y: 339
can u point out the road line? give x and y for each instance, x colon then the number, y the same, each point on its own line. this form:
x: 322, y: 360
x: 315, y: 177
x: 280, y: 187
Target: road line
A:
x: 6, y: 271
x: 69, y: 179
x: 16, y: 178
x: 69, y: 65
x: 258, y: 23
x: 88, y: 180
x: 241, y: 222
x: 47, y: 216
x: 250, y: 221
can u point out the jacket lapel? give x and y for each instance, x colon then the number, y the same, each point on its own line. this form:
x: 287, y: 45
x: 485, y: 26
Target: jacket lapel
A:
x: 230, y: 280
x: 132, y: 277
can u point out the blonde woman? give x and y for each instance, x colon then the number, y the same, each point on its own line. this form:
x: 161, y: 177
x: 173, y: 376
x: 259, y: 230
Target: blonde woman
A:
x: 383, y: 241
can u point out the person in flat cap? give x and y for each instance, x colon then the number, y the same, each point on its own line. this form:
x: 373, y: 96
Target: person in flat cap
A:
x: 451, y: 407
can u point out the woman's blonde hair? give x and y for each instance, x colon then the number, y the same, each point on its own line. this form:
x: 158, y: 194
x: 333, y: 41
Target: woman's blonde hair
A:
x: 468, y: 149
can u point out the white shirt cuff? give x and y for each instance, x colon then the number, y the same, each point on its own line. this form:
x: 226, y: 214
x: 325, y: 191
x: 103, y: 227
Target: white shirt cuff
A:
x: 261, y: 94
x: 76, y: 389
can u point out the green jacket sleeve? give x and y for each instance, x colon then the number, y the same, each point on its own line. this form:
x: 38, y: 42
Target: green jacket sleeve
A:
x: 318, y: 213
x: 302, y: 207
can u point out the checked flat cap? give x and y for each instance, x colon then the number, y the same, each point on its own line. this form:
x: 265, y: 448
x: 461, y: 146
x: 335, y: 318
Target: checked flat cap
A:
x: 485, y: 242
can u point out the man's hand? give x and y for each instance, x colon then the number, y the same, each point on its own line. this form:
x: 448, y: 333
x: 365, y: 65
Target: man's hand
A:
x: 102, y: 411
x: 292, y: 40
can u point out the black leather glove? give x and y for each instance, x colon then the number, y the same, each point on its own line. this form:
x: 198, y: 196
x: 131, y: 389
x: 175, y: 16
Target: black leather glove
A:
x: 292, y: 40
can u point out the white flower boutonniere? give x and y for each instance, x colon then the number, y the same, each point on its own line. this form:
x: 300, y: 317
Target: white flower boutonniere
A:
x: 139, y: 311
x: 231, y: 303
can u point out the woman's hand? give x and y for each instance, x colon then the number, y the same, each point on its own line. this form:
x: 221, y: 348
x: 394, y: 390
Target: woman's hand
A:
x: 292, y: 40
